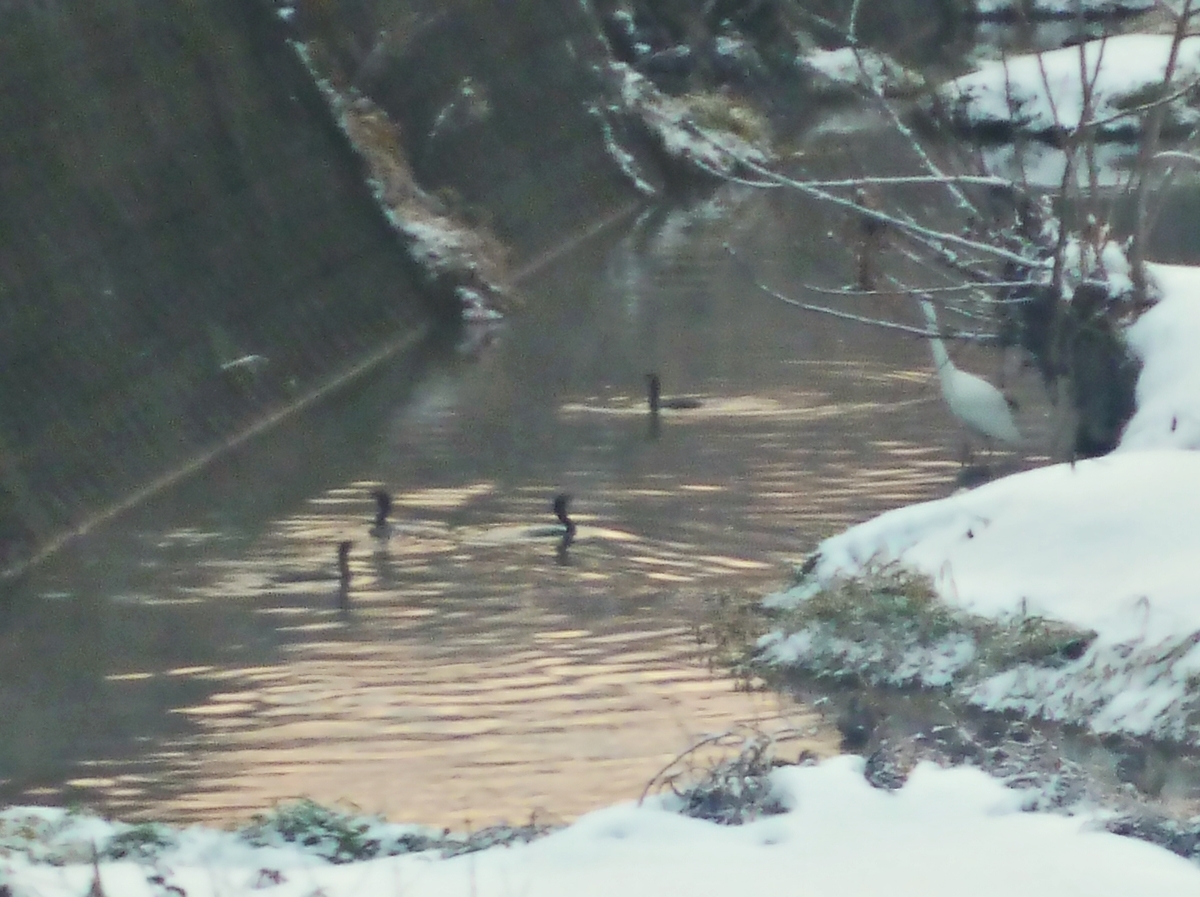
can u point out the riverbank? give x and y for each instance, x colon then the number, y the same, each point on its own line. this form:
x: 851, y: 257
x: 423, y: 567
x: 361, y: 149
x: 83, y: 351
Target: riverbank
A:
x: 1064, y: 594
x: 827, y: 831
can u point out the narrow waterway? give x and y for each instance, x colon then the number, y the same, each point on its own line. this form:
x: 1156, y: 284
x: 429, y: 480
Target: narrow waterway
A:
x: 190, y: 661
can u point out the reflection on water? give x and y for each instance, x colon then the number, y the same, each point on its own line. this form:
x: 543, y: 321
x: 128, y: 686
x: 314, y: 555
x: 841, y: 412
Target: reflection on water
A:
x: 192, y: 661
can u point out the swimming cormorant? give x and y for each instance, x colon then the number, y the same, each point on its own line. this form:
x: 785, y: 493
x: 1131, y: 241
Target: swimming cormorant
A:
x: 381, y: 528
x: 657, y: 400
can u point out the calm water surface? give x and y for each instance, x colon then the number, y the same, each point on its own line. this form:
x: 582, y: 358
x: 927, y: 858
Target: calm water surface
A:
x: 189, y: 662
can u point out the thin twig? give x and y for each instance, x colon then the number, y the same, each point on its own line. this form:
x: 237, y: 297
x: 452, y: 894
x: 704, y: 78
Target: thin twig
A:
x: 849, y: 316
x: 935, y: 237
x: 961, y: 288
x: 984, y: 180
x: 711, y: 739
x: 1148, y: 106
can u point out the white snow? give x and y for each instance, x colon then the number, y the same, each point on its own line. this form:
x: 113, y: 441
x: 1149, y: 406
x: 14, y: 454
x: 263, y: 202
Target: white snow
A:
x: 437, y: 242
x: 946, y: 833
x: 1041, y: 91
x: 1088, y: 544
x: 673, y: 123
x: 1045, y: 166
x: 1082, y: 261
x: 1168, y: 391
x: 848, y: 67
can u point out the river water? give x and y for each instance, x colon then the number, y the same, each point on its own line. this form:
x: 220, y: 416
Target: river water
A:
x: 189, y: 660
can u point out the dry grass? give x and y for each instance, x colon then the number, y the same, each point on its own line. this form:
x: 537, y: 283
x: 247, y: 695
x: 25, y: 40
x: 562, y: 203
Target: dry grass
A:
x: 890, y: 599
x: 728, y: 631
x: 721, y: 112
x: 886, y: 617
x: 725, y: 778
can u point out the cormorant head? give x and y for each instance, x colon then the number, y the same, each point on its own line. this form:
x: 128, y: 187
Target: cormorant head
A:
x: 560, y: 509
x: 655, y: 390
x: 344, y: 552
x: 383, y: 506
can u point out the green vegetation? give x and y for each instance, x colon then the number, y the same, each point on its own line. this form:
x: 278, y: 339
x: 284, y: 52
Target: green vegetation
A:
x: 338, y: 836
x: 1153, y: 92
x: 344, y: 837
x: 728, y: 632
x: 889, y: 626
x: 139, y: 842
x: 892, y: 599
x: 1033, y: 640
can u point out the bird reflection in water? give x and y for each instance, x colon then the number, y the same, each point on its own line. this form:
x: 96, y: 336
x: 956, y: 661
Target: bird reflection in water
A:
x: 568, y: 528
x: 565, y: 531
x: 343, y: 560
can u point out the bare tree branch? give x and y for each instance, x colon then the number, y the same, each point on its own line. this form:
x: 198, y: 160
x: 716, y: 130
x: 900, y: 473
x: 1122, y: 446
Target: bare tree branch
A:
x: 934, y: 238
x: 859, y: 319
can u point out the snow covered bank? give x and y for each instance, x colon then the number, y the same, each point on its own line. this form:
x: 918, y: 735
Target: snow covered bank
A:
x: 1009, y: 10
x: 1043, y: 93
x: 1070, y: 592
x: 707, y: 134
x: 1105, y: 546
x: 844, y: 71
x: 467, y: 263
x: 1166, y: 339
x: 944, y: 834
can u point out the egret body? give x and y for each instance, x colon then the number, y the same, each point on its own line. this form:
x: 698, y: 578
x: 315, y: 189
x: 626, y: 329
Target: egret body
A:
x: 974, y: 401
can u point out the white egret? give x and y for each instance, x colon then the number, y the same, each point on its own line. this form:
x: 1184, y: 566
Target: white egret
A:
x: 974, y: 401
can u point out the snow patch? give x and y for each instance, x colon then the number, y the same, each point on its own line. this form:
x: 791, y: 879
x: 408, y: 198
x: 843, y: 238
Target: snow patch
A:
x: 1043, y: 92
x: 945, y: 833
x: 847, y: 67
x: 1165, y: 338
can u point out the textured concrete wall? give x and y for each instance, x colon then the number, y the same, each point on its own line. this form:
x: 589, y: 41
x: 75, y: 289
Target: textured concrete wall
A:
x: 174, y: 196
